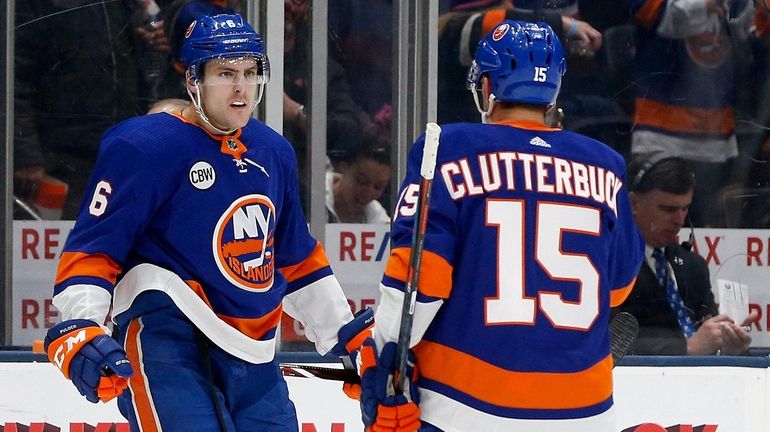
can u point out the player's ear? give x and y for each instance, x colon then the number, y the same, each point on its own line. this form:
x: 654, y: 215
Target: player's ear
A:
x: 485, y: 91
x: 633, y: 198
x: 190, y: 82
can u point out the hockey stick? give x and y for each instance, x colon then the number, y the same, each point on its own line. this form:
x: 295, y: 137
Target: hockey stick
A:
x: 322, y: 372
x: 623, y: 331
x: 427, y: 168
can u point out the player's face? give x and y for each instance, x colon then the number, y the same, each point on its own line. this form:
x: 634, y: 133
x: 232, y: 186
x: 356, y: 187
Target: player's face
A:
x: 229, y: 91
x: 660, y: 215
x: 363, y: 181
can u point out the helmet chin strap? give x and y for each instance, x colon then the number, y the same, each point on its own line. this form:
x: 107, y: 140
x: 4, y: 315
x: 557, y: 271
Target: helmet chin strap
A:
x: 484, y: 114
x: 196, y: 100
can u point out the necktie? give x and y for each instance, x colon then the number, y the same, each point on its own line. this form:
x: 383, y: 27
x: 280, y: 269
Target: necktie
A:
x: 672, y: 294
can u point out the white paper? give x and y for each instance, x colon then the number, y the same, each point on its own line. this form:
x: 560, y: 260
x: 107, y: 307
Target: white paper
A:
x: 733, y: 299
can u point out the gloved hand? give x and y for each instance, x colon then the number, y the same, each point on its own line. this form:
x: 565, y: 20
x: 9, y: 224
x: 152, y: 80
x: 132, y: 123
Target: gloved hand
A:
x: 351, y: 337
x: 95, y: 363
x: 381, y: 409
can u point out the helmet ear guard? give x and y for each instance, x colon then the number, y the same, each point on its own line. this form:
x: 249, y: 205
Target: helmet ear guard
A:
x: 524, y: 62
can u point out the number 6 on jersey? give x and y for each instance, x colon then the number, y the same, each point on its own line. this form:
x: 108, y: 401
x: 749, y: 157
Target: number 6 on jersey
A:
x: 99, y: 201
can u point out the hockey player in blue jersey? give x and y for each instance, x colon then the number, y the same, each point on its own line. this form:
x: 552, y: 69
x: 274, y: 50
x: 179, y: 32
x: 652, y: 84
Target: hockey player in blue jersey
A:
x: 530, y: 239
x: 193, y: 238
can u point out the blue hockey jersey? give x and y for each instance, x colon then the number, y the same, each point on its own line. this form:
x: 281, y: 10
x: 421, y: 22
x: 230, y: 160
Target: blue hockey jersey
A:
x: 530, y: 240
x: 684, y: 80
x: 212, y: 222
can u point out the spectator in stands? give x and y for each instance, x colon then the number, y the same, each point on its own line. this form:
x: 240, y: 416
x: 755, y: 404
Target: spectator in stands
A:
x: 352, y: 194
x: 751, y: 204
x: 756, y: 210
x: 461, y: 29
x: 685, y: 84
x: 345, y: 118
x: 672, y: 297
x: 77, y: 74
x: 362, y: 34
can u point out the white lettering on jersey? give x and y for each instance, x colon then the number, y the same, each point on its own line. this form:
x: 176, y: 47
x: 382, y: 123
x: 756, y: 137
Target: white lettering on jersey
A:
x: 100, y: 200
x: 202, y: 175
x: 407, y: 204
x: 541, y: 173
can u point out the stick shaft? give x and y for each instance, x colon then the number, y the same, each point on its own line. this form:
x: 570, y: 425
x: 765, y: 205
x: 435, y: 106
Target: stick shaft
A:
x: 427, y: 170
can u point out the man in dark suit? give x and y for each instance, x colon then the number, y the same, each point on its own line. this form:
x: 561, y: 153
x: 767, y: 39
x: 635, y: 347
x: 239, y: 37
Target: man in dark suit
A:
x: 672, y: 298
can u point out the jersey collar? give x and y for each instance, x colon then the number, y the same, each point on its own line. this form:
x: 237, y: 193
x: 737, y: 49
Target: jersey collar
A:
x: 229, y: 144
x: 526, y: 124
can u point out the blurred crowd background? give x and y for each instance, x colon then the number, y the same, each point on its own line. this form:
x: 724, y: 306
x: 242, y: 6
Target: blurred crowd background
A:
x: 685, y: 77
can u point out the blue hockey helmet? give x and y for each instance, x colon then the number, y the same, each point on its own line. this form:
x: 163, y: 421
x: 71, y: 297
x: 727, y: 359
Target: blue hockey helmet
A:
x: 524, y: 62
x: 222, y: 36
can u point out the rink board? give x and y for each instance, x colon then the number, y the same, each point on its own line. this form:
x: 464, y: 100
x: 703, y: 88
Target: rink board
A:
x: 721, y: 398
x: 357, y: 253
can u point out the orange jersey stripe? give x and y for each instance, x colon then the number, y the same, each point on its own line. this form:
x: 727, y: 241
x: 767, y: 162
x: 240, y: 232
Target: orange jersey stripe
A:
x: 527, y: 390
x: 648, y: 13
x: 74, y: 264
x: 435, y: 271
x: 491, y: 19
x: 684, y: 119
x: 618, y: 296
x: 198, y: 289
x: 315, y: 261
x: 531, y: 125
x: 143, y: 406
x: 255, y: 328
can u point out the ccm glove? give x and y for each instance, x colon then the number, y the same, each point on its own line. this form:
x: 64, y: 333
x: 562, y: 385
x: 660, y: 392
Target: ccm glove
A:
x: 351, y: 337
x: 93, y: 361
x: 381, y: 409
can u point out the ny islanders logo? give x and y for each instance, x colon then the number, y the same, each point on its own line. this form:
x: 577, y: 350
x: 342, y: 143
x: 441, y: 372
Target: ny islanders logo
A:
x: 500, y: 31
x: 243, y: 243
x: 710, y: 49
